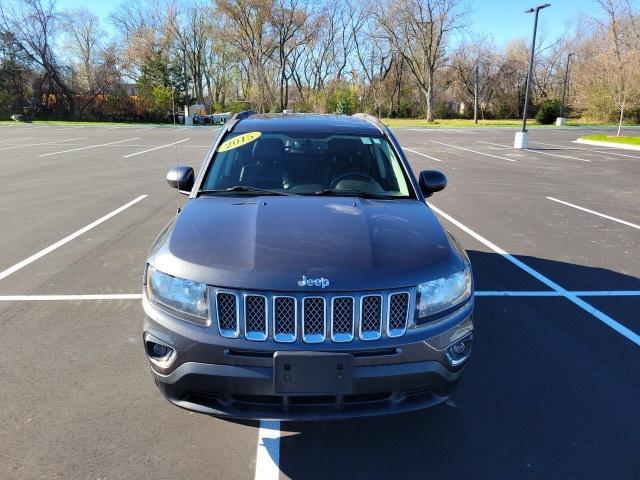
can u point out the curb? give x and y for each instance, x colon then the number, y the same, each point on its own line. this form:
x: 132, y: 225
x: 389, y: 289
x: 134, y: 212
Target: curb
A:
x: 621, y: 146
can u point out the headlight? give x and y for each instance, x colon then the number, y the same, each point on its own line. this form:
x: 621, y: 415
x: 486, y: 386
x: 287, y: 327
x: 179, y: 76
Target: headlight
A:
x: 444, y: 293
x: 184, y: 296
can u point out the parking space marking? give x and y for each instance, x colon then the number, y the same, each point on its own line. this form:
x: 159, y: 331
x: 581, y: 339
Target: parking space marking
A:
x: 156, y: 148
x: 90, y: 146
x: 421, y: 154
x: 589, y: 150
x: 67, y: 239
x: 477, y: 293
x: 603, y: 317
x: 474, y: 151
x: 15, y: 139
x: 268, y: 455
x: 608, y: 217
x: 536, y: 151
x: 553, y: 293
x: 43, y: 143
x: 53, y: 298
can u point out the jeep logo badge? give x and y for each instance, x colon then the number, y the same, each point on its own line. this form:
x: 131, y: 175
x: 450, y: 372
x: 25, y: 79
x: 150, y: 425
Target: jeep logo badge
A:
x: 313, y: 282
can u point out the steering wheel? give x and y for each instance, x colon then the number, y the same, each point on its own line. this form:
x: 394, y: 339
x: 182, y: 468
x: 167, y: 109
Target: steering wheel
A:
x: 357, y: 175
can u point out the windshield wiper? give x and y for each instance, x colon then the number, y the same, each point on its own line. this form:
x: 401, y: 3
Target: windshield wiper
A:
x: 245, y: 189
x: 352, y: 193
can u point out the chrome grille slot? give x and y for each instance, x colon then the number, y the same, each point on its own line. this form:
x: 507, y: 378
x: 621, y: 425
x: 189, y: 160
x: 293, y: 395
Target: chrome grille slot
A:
x: 227, y: 314
x: 255, y: 317
x: 342, y: 315
x: 313, y: 319
x: 284, y: 319
x: 398, y: 311
x: 371, y: 317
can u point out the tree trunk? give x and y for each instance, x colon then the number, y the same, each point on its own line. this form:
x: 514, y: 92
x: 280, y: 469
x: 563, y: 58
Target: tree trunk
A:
x: 428, y: 97
x: 624, y: 99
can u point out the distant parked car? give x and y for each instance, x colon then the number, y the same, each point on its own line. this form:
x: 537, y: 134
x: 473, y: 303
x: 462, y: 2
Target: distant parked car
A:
x: 220, y: 117
x: 17, y: 117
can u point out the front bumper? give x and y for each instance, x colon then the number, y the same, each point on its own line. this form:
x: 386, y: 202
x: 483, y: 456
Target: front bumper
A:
x: 247, y: 392
x: 234, y: 377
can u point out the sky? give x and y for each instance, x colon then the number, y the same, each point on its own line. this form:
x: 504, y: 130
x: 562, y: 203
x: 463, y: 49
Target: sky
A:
x: 502, y: 19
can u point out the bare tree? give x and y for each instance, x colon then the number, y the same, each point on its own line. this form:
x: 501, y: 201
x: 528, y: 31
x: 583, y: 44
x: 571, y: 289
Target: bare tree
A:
x: 251, y: 33
x: 374, y: 53
x: 191, y: 28
x: 33, y: 25
x: 418, y: 30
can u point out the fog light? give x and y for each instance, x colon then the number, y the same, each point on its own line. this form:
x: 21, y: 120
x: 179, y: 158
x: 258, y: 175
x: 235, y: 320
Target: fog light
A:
x: 158, y: 352
x: 459, y: 352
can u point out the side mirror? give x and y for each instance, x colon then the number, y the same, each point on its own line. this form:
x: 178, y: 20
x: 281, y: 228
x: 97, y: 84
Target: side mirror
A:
x: 181, y: 178
x: 432, y: 181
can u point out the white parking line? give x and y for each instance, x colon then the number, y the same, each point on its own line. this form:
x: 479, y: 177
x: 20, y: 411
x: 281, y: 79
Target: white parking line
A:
x: 90, y: 146
x: 43, y: 143
x: 268, y: 455
x: 477, y: 293
x: 15, y: 139
x: 422, y: 154
x: 67, y: 239
x: 553, y: 293
x: 608, y: 217
x: 536, y: 151
x: 603, y: 317
x: 474, y: 151
x: 45, y: 298
x: 156, y: 148
x: 589, y: 150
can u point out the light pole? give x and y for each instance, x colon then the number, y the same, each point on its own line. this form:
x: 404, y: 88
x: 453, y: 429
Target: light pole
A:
x: 560, y: 120
x: 521, y: 137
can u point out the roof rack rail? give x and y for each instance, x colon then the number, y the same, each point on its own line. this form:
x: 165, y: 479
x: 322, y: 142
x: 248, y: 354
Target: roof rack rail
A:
x: 243, y: 115
x: 375, y: 121
x: 237, y: 117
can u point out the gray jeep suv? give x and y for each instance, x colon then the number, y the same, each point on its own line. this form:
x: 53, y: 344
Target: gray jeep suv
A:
x: 306, y: 277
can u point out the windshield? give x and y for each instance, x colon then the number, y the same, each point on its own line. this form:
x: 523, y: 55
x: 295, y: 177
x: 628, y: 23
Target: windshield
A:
x: 306, y: 164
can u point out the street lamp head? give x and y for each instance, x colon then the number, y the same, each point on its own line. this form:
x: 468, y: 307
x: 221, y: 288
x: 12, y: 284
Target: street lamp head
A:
x: 539, y: 7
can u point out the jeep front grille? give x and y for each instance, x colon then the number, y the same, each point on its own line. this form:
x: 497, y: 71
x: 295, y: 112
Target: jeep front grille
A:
x: 227, y: 311
x: 313, y: 318
x: 255, y: 317
x: 284, y: 319
x: 342, y: 315
x: 371, y: 317
x: 398, y: 309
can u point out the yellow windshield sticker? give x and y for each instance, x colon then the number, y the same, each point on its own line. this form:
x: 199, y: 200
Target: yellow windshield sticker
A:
x: 238, y: 141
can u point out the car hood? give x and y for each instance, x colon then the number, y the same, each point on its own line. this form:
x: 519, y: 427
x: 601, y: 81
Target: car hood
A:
x: 269, y: 243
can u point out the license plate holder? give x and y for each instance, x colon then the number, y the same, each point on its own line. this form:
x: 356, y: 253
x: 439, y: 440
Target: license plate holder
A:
x: 309, y: 373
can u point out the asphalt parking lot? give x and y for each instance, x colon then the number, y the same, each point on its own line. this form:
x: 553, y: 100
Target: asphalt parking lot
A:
x: 552, y: 389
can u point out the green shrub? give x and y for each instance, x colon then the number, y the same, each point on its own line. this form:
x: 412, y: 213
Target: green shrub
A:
x: 442, y: 110
x: 6, y: 105
x: 235, y: 106
x: 548, y: 111
x: 342, y: 101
